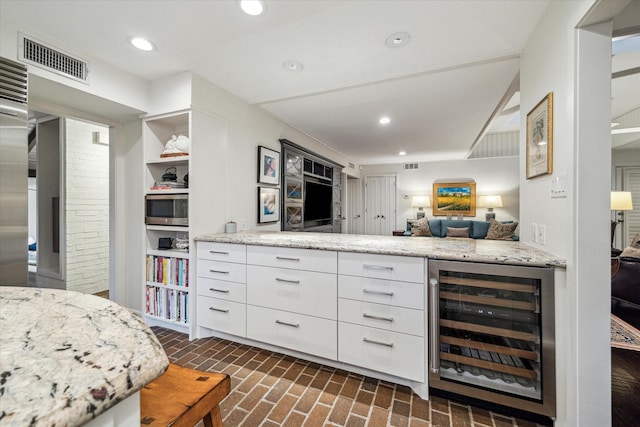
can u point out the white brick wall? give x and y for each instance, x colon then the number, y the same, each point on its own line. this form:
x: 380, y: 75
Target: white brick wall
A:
x: 87, y: 196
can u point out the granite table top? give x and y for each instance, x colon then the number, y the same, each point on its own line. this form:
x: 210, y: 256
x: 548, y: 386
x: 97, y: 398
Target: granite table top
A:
x: 66, y: 357
x: 448, y: 248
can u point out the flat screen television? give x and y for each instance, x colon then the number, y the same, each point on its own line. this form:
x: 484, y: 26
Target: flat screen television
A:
x: 317, y: 203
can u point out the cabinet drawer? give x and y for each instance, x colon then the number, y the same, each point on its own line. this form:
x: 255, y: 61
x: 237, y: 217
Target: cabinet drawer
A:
x: 401, y: 294
x: 390, y: 267
x: 299, y: 259
x: 223, y: 316
x: 389, y: 352
x: 294, y: 331
x: 226, y: 271
x: 307, y: 292
x: 388, y: 317
x: 228, y: 252
x: 219, y: 289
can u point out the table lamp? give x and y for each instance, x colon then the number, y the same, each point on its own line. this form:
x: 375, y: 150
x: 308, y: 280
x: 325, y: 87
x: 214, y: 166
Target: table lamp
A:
x: 490, y: 202
x: 420, y: 202
x: 620, y: 201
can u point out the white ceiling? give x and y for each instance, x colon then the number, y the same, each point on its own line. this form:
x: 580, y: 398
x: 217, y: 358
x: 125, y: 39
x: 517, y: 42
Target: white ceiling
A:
x: 439, y: 89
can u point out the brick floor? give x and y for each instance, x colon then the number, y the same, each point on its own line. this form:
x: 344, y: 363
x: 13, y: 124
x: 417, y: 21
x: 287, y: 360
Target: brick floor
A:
x: 271, y: 389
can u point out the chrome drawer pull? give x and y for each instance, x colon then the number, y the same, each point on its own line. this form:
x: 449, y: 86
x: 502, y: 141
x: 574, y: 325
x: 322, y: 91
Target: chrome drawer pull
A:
x: 224, y: 291
x: 219, y: 253
x: 218, y: 271
x: 295, y: 282
x: 294, y: 325
x: 371, y: 316
x: 369, y: 291
x: 377, y: 267
x: 284, y: 258
x: 386, y: 344
x: 219, y: 309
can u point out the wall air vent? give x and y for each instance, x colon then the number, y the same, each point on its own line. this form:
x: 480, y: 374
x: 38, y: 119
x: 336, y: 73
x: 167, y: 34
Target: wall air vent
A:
x: 351, y: 165
x: 410, y: 166
x: 13, y: 81
x: 51, y: 59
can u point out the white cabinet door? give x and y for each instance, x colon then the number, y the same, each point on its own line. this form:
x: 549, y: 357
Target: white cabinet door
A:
x: 230, y: 291
x: 227, y: 252
x: 380, y: 205
x: 403, y: 268
x: 226, y: 271
x: 381, y: 316
x: 221, y: 315
x: 298, y: 259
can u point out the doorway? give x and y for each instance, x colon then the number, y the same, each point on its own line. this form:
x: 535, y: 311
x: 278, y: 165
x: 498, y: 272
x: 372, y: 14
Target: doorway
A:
x: 628, y: 179
x: 68, y: 203
x: 380, y: 204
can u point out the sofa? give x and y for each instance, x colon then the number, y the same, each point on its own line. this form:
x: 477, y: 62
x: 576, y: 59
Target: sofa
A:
x: 460, y: 228
x: 625, y: 275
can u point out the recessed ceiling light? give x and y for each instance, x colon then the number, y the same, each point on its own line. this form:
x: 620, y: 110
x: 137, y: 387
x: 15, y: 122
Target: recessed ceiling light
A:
x: 614, y: 124
x: 402, y: 153
x: 384, y: 120
x: 398, y: 39
x: 141, y: 43
x: 293, y: 66
x: 253, y: 7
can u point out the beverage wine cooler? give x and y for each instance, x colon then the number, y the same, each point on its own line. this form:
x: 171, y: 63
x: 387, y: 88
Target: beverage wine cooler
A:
x: 491, y: 332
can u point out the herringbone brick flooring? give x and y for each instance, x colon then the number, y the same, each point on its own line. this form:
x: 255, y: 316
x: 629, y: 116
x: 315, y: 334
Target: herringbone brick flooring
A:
x: 270, y: 389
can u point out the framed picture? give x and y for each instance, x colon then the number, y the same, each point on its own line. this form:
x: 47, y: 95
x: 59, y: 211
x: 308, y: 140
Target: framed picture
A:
x: 268, y: 204
x: 454, y: 198
x: 540, y: 138
x: 268, y: 166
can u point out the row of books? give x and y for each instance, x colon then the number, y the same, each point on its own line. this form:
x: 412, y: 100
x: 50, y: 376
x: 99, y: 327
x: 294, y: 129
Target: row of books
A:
x: 167, y: 303
x: 168, y: 270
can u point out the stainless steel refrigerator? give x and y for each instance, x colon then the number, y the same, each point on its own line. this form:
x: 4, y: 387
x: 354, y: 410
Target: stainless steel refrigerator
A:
x: 13, y: 173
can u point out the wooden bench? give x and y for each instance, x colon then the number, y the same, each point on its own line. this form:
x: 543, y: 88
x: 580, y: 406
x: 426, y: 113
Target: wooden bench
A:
x: 181, y: 397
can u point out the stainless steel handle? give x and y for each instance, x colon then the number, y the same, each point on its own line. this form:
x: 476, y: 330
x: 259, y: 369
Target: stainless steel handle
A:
x: 293, y: 325
x: 218, y: 271
x: 284, y: 258
x: 224, y: 291
x: 295, y: 282
x: 377, y: 267
x: 219, y: 309
x: 369, y: 291
x: 434, y: 325
x: 386, y: 344
x: 371, y: 316
x: 219, y: 252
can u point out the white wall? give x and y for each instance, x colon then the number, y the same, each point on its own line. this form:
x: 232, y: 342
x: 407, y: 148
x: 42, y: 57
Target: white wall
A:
x: 492, y: 176
x: 575, y: 66
x: 87, y: 208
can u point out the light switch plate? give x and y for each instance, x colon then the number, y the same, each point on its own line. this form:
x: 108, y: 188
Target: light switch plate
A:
x: 534, y: 232
x: 542, y: 234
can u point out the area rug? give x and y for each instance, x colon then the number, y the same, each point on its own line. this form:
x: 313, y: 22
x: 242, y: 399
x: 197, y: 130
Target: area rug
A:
x: 623, y: 335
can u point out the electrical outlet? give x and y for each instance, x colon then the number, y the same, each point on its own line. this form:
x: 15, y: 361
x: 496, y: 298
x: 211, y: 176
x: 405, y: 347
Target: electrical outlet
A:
x: 243, y: 224
x: 534, y: 232
x: 542, y: 231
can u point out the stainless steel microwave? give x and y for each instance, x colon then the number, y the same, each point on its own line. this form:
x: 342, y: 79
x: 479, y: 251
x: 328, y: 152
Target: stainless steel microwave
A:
x: 167, y: 209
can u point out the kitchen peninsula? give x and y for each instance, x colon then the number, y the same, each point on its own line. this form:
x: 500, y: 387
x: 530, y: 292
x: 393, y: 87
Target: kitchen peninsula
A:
x: 391, y: 307
x: 67, y: 358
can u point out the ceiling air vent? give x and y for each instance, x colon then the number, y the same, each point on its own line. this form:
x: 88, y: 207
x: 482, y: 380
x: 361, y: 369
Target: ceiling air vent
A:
x: 48, y: 58
x: 410, y: 166
x: 13, y: 80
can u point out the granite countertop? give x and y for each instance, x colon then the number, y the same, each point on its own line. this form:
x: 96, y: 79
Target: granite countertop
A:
x: 66, y: 357
x: 456, y: 249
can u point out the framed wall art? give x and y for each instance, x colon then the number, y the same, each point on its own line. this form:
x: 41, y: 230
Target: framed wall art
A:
x: 540, y: 138
x: 268, y: 166
x: 454, y: 198
x: 268, y: 204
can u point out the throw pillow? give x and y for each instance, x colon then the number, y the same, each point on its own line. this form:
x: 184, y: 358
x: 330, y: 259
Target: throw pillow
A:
x: 633, y: 250
x: 498, y: 231
x: 421, y: 228
x: 457, y: 232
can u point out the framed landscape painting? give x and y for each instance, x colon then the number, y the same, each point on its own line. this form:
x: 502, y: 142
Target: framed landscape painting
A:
x: 540, y: 138
x: 454, y: 198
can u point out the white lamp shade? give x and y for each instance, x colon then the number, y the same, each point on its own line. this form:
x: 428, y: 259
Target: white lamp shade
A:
x: 490, y: 201
x: 420, y: 202
x: 621, y: 201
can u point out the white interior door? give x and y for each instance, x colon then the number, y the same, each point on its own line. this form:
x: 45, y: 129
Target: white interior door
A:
x: 380, y: 205
x: 355, y: 217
